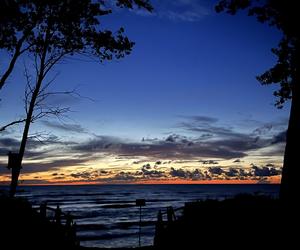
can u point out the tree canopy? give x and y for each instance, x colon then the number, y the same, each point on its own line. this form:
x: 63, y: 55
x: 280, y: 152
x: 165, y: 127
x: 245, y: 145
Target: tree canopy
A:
x: 71, y: 27
x: 284, y: 16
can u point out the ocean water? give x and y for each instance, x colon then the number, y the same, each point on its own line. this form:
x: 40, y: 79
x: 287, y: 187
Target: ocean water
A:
x: 106, y: 215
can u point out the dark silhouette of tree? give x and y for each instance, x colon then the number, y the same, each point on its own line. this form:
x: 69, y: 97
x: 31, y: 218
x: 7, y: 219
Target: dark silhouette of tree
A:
x: 284, y: 16
x: 49, y: 31
x: 19, y: 20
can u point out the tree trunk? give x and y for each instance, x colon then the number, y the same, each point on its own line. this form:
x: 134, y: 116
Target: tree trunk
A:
x: 16, y: 169
x: 289, y: 189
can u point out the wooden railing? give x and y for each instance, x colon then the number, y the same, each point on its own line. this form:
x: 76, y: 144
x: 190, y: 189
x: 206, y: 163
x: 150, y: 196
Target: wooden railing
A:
x: 62, y: 220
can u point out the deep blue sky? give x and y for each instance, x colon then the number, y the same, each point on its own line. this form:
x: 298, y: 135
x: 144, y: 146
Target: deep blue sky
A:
x: 188, y: 61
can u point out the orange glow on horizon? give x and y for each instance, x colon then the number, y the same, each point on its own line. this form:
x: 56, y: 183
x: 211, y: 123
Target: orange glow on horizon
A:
x: 272, y: 180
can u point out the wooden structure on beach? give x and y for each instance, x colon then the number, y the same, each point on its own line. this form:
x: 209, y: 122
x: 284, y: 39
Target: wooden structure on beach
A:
x: 63, y: 221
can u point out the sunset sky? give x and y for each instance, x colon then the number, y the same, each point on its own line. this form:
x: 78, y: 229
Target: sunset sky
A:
x: 184, y: 107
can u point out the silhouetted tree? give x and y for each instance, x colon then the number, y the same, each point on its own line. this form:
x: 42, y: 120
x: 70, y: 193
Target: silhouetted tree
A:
x: 19, y: 20
x: 284, y: 15
x: 50, y: 31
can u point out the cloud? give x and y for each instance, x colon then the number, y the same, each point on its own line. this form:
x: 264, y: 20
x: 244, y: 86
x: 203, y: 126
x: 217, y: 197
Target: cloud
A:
x: 265, y: 171
x: 215, y: 170
x: 226, y: 137
x: 172, y: 147
x: 182, y: 10
x: 46, y: 165
x: 209, y: 162
x: 259, y: 174
x: 71, y: 128
x: 265, y: 128
x: 145, y: 173
x: 224, y: 143
x: 9, y: 143
x: 201, y: 119
x: 177, y: 10
x: 279, y: 138
x: 152, y: 173
x: 237, y: 161
x: 186, y: 174
x: 222, y: 173
x: 99, y: 143
x: 52, y: 165
x: 270, y: 165
x: 232, y: 172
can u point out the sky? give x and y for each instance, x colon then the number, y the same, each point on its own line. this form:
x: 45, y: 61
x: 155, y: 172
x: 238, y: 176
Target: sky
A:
x: 183, y: 107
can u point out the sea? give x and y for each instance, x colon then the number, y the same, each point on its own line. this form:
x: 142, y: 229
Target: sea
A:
x: 107, y: 215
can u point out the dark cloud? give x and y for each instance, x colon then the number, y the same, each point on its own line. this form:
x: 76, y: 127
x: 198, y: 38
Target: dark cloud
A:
x: 232, y: 172
x: 152, y: 173
x: 279, y: 138
x: 237, y: 161
x: 51, y: 165
x: 146, y: 166
x: 215, y: 170
x: 209, y: 162
x: 265, y: 171
x: 201, y: 119
x: 34, y: 181
x: 186, y: 174
x: 8, y: 144
x: 178, y: 173
x: 98, y: 144
x: 90, y: 174
x: 173, y: 147
x: 75, y: 128
x: 177, y: 138
x: 33, y: 147
x: 227, y: 138
x: 270, y: 165
x: 211, y: 129
x: 265, y: 128
x: 145, y: 173
x: 151, y: 140
x: 123, y: 177
x: 252, y: 173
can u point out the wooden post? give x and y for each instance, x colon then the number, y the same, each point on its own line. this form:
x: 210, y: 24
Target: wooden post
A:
x: 141, y: 203
x: 14, y: 163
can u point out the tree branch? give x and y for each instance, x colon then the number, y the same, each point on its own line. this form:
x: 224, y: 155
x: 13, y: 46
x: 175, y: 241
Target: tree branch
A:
x: 11, y: 124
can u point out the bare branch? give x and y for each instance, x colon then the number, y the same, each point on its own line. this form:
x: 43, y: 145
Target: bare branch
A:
x: 43, y: 137
x: 53, y: 60
x: 11, y: 124
x: 51, y: 111
x: 44, y: 88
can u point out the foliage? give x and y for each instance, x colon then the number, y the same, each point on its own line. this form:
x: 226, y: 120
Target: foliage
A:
x: 283, y: 15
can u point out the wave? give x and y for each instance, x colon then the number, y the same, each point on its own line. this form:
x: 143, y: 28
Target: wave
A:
x: 117, y: 225
x: 118, y: 206
x: 91, y: 227
x: 104, y: 236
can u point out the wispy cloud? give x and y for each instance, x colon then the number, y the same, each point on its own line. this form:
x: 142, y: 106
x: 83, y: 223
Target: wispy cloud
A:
x: 183, y: 10
x: 178, y: 10
x: 65, y: 127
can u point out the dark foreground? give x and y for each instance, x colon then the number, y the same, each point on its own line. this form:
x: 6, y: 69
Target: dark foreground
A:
x: 244, y: 222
